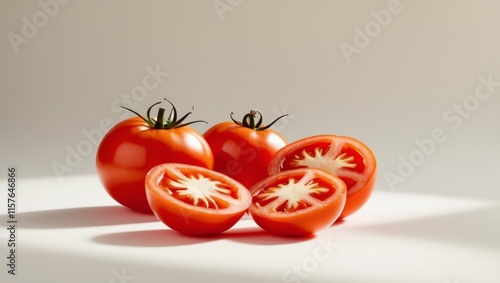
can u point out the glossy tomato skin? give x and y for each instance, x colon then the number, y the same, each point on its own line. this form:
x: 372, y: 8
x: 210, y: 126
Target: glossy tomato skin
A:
x: 182, y: 215
x: 243, y: 153
x: 131, y: 148
x: 357, y: 200
x: 360, y: 179
x: 302, y: 222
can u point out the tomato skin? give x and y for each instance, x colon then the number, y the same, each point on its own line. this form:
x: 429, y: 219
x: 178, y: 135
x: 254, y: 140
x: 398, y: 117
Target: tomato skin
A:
x: 243, y: 153
x: 185, y: 217
x: 357, y: 200
x: 131, y: 148
x: 358, y: 192
x: 301, y: 222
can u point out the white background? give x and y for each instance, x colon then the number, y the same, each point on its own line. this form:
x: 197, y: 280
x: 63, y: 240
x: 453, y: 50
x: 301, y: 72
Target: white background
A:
x: 274, y: 56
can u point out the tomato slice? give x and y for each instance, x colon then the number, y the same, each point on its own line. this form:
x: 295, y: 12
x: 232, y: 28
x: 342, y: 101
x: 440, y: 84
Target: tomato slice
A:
x: 297, y: 202
x: 344, y: 157
x: 195, y: 200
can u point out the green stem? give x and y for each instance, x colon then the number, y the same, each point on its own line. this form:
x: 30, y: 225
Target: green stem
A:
x: 160, y: 122
x: 248, y: 121
x: 160, y: 118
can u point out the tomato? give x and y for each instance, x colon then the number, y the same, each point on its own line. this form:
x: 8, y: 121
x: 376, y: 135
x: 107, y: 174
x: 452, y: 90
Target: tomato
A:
x: 345, y: 157
x: 195, y: 200
x: 297, y: 202
x: 134, y: 146
x: 243, y: 150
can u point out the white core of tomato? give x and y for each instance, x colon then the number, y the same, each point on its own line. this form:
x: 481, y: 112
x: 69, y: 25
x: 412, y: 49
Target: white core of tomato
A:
x: 331, y: 161
x: 293, y: 192
x: 201, y: 189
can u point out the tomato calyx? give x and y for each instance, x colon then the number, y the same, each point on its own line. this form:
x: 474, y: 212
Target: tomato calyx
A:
x: 160, y: 122
x: 248, y: 121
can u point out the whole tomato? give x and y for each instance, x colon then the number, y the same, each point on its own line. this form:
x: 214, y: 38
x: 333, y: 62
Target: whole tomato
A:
x: 243, y: 150
x: 132, y: 147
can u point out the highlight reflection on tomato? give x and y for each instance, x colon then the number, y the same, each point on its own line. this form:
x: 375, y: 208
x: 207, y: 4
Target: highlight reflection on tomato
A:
x: 134, y: 146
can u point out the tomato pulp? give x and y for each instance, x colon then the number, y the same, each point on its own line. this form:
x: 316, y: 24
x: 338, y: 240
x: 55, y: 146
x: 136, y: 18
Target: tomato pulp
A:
x: 195, y: 200
x: 344, y: 157
x: 297, y: 202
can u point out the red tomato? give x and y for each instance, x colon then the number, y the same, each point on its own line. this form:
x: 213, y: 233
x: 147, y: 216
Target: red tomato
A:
x: 243, y: 150
x: 195, y: 200
x: 134, y: 146
x: 345, y: 157
x: 297, y: 202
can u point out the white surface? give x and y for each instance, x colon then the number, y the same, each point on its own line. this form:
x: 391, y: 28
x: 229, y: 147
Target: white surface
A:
x: 73, y: 232
x: 276, y: 56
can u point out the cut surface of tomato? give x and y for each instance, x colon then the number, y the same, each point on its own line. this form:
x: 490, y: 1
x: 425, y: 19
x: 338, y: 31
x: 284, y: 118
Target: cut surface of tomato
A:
x: 297, y: 202
x: 344, y: 157
x: 195, y: 200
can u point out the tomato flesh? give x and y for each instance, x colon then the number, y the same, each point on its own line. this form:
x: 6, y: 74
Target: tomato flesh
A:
x: 195, y: 200
x: 297, y: 202
x: 344, y: 157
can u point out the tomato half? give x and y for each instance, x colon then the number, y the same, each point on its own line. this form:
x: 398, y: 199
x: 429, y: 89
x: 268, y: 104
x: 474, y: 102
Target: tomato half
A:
x: 345, y: 157
x: 243, y: 150
x: 195, y: 200
x: 134, y: 146
x: 297, y: 202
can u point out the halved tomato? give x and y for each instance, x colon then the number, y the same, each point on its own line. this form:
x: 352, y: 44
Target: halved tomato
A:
x: 297, y: 202
x: 195, y: 200
x: 345, y: 157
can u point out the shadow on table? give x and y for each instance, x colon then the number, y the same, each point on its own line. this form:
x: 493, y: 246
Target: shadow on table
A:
x: 80, y: 217
x: 166, y: 237
x: 476, y: 228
